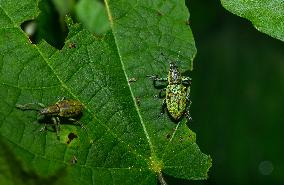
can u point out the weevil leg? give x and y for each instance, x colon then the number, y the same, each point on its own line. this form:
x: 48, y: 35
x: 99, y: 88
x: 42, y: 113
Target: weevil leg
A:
x: 161, y: 80
x: 62, y: 98
x: 156, y: 79
x: 187, y: 110
x: 186, y: 81
x: 56, y: 122
x: 161, y: 95
x: 77, y: 122
x: 152, y: 77
x: 43, y: 128
x: 187, y: 115
x: 58, y: 126
x: 30, y: 106
x: 164, y: 106
x: 188, y: 101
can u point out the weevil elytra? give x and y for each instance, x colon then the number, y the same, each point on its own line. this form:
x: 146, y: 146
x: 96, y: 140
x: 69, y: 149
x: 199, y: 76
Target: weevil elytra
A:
x: 177, y: 100
x: 67, y: 109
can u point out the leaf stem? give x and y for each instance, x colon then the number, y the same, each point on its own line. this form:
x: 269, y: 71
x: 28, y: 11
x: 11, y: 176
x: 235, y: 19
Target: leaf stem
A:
x: 161, y: 179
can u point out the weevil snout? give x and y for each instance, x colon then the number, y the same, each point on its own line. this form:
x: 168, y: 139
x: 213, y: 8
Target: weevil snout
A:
x: 50, y: 110
x: 174, y: 76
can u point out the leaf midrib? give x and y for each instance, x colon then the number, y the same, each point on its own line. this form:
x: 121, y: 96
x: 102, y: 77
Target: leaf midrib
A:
x: 126, y: 77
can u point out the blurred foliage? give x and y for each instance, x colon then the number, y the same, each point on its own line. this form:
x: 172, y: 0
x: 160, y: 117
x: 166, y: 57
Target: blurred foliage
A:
x: 238, y: 102
x: 50, y: 24
x: 93, y: 15
x: 64, y: 7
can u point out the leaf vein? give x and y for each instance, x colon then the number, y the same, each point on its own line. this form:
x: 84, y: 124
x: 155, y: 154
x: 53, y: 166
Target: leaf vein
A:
x: 126, y: 77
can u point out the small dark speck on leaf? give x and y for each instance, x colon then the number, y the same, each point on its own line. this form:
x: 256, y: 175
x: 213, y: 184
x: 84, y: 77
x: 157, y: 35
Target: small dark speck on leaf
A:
x: 138, y: 102
x: 71, y: 136
x: 159, y: 13
x: 72, y: 45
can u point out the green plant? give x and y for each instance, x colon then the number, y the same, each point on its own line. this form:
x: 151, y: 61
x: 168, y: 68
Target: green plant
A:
x: 103, y: 64
x: 125, y: 142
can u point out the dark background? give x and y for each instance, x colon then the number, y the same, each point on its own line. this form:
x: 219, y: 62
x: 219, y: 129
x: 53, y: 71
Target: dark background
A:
x: 237, y: 95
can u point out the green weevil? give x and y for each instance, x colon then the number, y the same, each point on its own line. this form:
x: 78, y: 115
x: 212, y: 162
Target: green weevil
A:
x: 177, y: 100
x: 63, y: 109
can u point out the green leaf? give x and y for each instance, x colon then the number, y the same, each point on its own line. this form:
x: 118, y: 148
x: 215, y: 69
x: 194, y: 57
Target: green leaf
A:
x: 6, y: 174
x: 265, y: 15
x: 93, y: 15
x: 126, y: 142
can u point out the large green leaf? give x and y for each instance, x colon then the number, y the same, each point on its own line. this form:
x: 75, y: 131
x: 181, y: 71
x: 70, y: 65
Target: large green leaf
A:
x: 267, y: 16
x: 125, y: 142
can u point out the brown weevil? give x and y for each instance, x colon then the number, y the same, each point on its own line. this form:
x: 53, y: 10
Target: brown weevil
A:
x: 72, y: 45
x: 67, y: 109
x: 177, y: 89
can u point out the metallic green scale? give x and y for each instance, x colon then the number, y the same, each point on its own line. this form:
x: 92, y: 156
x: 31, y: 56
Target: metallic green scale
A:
x: 177, y: 93
x: 176, y: 100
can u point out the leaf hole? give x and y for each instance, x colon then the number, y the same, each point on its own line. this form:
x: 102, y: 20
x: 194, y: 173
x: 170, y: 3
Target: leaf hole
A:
x: 71, y: 136
x: 30, y: 27
x: 168, y: 136
x: 48, y: 26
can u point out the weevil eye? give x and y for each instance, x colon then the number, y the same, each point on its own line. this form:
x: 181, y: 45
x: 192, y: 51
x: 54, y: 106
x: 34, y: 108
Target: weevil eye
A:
x: 172, y: 65
x: 43, y: 111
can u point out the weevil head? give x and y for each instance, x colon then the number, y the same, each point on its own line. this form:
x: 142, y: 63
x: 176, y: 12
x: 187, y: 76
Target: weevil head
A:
x: 174, y: 76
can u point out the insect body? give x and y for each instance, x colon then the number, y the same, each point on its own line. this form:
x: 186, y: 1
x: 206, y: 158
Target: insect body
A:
x: 177, y: 90
x: 63, y: 109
